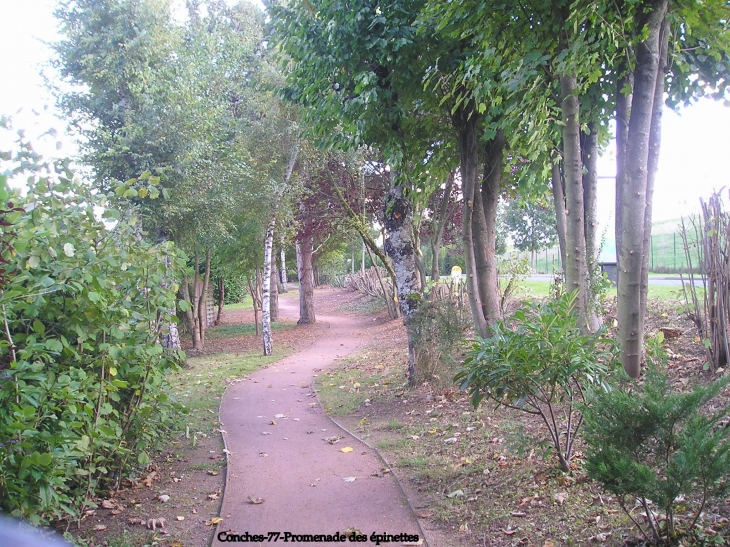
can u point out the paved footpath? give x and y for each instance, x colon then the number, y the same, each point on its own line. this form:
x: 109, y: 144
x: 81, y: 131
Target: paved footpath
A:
x: 275, y: 430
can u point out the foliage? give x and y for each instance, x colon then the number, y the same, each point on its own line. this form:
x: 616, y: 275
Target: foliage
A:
x: 540, y: 367
x: 440, y: 325
x: 651, y: 445
x: 83, y: 397
x: 516, y: 270
x: 531, y: 224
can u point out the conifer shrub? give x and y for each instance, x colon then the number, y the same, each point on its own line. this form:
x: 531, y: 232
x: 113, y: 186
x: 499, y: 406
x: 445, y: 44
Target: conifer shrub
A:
x: 658, y: 450
x: 539, y: 361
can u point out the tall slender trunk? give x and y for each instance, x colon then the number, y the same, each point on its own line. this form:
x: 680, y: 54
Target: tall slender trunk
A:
x: 655, y: 139
x: 623, y: 106
x: 399, y: 248
x: 491, y: 186
x: 221, y: 300
x: 306, y: 280
x: 445, y: 211
x: 170, y: 338
x: 266, y: 289
x: 254, y: 288
x: 589, y: 152
x: 576, y: 272
x: 634, y: 191
x: 559, y: 202
x: 467, y: 127
x: 417, y: 254
x: 274, y: 293
x: 203, y: 300
x: 282, y: 271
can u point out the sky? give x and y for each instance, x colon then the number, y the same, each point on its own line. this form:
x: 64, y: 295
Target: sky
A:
x: 694, y: 158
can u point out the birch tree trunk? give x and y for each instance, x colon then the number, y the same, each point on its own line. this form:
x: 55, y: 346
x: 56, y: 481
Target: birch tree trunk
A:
x: 266, y: 289
x: 399, y: 248
x: 576, y: 272
x: 282, y: 271
x: 274, y: 292
x: 634, y: 193
x: 306, y: 280
x: 589, y: 154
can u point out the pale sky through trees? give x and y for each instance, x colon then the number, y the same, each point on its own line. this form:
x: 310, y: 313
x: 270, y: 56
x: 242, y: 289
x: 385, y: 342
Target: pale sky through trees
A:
x: 695, y: 154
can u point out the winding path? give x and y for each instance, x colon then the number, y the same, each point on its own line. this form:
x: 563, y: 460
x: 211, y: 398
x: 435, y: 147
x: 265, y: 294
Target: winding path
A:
x: 275, y: 430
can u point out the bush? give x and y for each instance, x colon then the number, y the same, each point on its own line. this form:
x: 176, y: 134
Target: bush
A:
x: 653, y: 446
x: 540, y: 367
x: 82, y: 392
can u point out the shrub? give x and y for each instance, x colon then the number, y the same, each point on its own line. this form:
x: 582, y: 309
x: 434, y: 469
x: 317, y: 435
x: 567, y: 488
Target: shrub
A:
x: 651, y: 445
x: 540, y: 367
x: 82, y: 390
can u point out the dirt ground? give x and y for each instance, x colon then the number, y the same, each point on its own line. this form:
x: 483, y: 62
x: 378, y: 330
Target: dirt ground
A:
x: 275, y: 479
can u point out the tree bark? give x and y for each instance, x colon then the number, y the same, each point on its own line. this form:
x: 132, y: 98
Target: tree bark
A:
x: 306, y: 280
x: 559, y: 203
x: 282, y: 271
x: 655, y: 139
x: 623, y: 106
x: 274, y: 289
x: 441, y: 218
x: 576, y: 272
x: 467, y: 128
x: 254, y: 288
x: 491, y: 187
x: 221, y: 300
x: 589, y: 151
x: 266, y: 289
x: 634, y: 191
x: 399, y: 248
x: 203, y: 300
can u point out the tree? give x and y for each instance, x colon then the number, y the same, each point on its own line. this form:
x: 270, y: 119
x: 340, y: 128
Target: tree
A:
x: 531, y: 225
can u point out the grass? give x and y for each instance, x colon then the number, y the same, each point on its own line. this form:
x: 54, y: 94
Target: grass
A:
x: 245, y: 304
x: 201, y: 384
x: 244, y: 329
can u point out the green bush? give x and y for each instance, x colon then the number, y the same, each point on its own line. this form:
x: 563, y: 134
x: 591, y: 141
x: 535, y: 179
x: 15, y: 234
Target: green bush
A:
x: 541, y: 367
x: 662, y: 449
x: 84, y: 301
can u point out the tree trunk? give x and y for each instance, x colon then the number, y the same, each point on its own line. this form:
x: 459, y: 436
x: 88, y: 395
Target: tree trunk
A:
x: 634, y: 191
x: 655, y: 139
x: 254, y: 288
x: 306, y: 280
x: 467, y: 127
x: 282, y: 271
x: 266, y: 289
x: 589, y: 153
x: 559, y: 202
x: 190, y: 296
x: 623, y: 105
x: 491, y: 187
x: 445, y: 211
x: 203, y: 300
x: 417, y: 254
x: 399, y: 248
x: 221, y: 300
x: 576, y: 272
x: 274, y: 291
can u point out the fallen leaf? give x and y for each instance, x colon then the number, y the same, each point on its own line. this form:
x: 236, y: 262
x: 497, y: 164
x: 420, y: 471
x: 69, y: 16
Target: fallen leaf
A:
x: 256, y: 501
x: 266, y: 433
x: 100, y: 527
x: 333, y: 439
x: 117, y: 511
x: 212, y: 496
x: 451, y: 440
x: 163, y: 498
x: 152, y: 524
x: 108, y: 504
x: 424, y: 514
x: 509, y: 531
x: 455, y: 494
x: 211, y: 472
x: 518, y: 514
x: 273, y: 422
x: 279, y: 416
x: 180, y: 518
x: 346, y: 449
x: 349, y: 479
x: 560, y: 497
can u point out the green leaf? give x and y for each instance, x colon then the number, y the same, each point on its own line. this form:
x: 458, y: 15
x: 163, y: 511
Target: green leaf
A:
x: 39, y: 327
x: 143, y: 459
x: 130, y: 193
